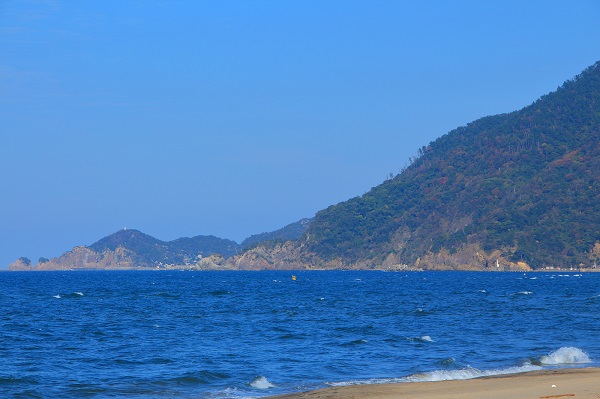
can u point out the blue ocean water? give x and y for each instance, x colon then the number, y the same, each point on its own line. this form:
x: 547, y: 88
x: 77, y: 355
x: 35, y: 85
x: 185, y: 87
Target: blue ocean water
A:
x: 253, y: 334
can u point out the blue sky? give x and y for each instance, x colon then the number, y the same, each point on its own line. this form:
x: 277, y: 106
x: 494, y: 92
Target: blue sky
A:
x: 231, y: 118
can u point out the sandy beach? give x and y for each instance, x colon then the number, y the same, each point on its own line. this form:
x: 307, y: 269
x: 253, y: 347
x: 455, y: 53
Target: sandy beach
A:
x: 545, y: 384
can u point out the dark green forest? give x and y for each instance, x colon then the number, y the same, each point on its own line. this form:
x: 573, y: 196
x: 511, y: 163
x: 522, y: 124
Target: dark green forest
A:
x: 292, y: 231
x: 149, y: 251
x: 525, y: 183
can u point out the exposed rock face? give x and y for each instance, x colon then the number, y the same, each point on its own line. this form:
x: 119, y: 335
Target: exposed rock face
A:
x: 470, y: 257
x: 20, y: 264
x: 290, y: 255
x: 292, y: 231
x: 274, y: 256
x: 86, y: 258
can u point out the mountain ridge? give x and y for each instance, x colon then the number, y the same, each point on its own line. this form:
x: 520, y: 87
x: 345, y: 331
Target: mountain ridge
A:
x: 132, y: 249
x: 492, y: 186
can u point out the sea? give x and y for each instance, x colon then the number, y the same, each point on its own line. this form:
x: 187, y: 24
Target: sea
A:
x: 240, y: 334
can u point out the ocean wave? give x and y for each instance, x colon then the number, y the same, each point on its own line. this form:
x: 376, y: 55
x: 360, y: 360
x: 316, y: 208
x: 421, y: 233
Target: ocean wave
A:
x: 562, y: 356
x: 229, y: 393
x: 466, y: 373
x: 424, y: 338
x: 448, y: 362
x: 198, y: 378
x: 261, y: 382
x: 565, y: 355
x: 421, y: 312
x: 10, y: 379
x: 219, y: 293
x: 76, y: 294
x: 163, y: 294
x: 356, y: 342
x: 523, y: 293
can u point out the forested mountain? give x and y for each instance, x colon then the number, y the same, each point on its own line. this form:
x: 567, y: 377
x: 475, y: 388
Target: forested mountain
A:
x: 149, y: 250
x: 132, y: 249
x: 292, y: 231
x: 522, y: 186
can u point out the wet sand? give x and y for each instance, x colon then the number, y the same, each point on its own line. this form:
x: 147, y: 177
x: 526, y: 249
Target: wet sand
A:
x: 544, y: 384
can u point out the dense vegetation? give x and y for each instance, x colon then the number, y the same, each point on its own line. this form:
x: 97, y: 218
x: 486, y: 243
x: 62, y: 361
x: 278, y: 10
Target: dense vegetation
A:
x: 148, y: 250
x: 292, y: 231
x: 524, y: 183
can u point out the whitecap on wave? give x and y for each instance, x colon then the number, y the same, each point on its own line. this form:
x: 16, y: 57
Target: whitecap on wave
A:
x: 565, y: 355
x: 71, y: 295
x: 261, y: 382
x: 466, y: 373
x: 424, y: 338
x: 443, y: 375
x: 562, y: 356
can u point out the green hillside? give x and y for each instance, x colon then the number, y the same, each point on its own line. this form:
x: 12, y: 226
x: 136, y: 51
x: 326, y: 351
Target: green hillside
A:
x: 524, y: 185
x: 292, y: 231
x: 147, y: 250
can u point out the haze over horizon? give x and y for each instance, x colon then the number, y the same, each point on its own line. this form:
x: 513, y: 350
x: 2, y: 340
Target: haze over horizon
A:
x: 231, y: 119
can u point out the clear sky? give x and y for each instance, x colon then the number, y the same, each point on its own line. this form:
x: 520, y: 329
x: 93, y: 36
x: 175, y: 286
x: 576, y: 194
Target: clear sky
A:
x: 230, y: 118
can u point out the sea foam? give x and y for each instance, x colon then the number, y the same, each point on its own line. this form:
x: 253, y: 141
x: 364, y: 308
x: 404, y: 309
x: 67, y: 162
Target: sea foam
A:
x: 424, y: 338
x: 261, y: 383
x: 562, y: 356
x: 566, y: 355
x: 466, y: 373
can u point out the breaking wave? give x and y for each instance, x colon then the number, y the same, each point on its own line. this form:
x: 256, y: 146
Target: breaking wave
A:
x: 261, y: 383
x: 562, y: 356
x: 565, y: 355
x: 424, y: 338
x: 71, y: 295
x: 524, y: 293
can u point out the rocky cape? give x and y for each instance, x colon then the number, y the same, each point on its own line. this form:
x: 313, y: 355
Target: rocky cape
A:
x: 131, y: 249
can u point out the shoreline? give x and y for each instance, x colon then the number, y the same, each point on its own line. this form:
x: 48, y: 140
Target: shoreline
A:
x: 187, y: 268
x: 580, y: 383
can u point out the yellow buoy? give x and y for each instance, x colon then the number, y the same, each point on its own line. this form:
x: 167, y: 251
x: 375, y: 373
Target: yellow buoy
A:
x: 293, y: 277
